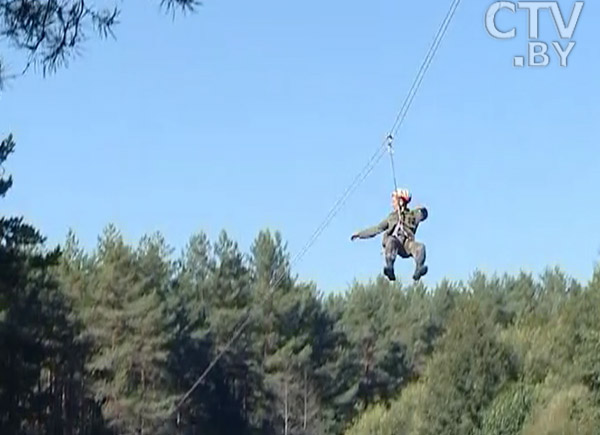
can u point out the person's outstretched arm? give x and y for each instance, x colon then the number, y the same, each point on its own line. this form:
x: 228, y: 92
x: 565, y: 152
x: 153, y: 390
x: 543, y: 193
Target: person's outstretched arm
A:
x: 372, y: 231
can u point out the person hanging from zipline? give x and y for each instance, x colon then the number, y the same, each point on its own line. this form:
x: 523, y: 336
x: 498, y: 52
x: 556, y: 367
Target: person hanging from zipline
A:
x: 399, y: 229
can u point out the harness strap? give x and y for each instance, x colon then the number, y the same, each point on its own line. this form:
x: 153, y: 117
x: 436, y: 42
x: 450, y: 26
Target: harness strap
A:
x: 400, y: 227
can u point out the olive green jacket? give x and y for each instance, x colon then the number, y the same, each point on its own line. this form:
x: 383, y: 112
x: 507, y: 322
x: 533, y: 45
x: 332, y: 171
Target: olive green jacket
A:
x: 410, y: 219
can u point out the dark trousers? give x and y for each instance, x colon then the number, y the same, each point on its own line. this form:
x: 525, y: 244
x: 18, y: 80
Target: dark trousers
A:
x: 404, y: 247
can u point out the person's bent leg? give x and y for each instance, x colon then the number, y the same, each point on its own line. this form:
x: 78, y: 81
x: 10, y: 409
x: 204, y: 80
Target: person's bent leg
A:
x: 391, y: 245
x: 418, y: 252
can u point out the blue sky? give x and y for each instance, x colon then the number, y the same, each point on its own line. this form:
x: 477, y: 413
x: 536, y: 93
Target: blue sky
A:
x: 252, y: 115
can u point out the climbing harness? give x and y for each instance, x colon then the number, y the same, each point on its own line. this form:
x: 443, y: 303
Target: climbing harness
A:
x: 360, y: 177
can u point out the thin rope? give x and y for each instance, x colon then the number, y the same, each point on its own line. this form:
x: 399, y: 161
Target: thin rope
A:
x: 433, y: 48
x: 391, y: 152
x: 362, y: 175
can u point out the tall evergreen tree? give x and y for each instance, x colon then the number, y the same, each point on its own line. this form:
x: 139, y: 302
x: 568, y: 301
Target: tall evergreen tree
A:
x: 284, y: 327
x: 235, y: 377
x: 35, y: 328
x: 151, y: 339
x: 74, y: 273
x: 188, y: 305
x: 377, y: 356
x: 467, y: 371
x: 128, y: 326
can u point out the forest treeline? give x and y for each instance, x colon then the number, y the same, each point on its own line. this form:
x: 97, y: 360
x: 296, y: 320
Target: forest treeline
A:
x: 109, y: 340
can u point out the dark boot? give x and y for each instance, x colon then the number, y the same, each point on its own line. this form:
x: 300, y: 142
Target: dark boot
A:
x: 417, y: 250
x: 391, y: 245
x: 420, y: 272
x: 389, y: 272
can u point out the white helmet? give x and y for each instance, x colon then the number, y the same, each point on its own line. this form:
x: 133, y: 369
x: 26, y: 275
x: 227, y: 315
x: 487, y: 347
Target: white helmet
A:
x: 403, y: 194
